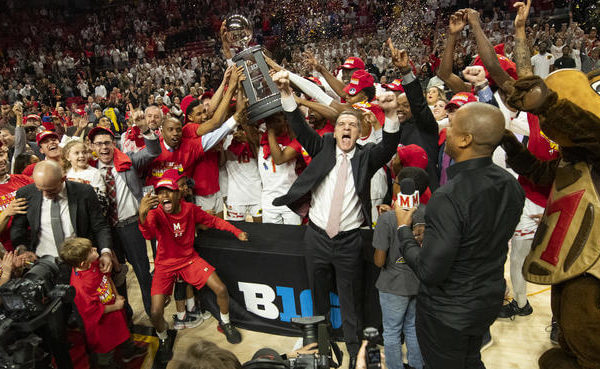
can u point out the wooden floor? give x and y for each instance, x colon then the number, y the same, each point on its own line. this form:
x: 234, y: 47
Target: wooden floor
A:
x: 517, y: 344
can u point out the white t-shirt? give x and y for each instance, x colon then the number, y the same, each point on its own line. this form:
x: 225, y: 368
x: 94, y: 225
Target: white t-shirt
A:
x: 541, y: 64
x: 90, y: 176
x: 244, y: 185
x: 276, y: 179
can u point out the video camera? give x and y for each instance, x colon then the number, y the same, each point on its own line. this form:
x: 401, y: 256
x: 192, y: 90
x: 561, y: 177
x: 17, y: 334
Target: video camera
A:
x: 314, y: 330
x: 33, y: 319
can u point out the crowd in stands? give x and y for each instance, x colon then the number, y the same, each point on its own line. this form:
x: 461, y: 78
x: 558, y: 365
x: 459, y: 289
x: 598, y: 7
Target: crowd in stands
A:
x: 148, y: 109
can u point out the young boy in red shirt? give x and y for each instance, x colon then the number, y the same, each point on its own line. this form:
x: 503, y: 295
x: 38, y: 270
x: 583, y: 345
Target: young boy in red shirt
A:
x: 173, y: 223
x: 100, y: 306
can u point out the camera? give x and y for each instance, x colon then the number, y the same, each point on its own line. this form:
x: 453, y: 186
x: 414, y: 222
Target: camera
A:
x: 314, y: 330
x: 27, y: 297
x: 33, y: 318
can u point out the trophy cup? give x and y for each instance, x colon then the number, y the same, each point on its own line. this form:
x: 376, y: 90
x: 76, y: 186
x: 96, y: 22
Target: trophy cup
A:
x: 263, y: 96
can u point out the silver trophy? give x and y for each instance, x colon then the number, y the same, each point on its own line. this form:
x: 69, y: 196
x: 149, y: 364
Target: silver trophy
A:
x: 263, y: 96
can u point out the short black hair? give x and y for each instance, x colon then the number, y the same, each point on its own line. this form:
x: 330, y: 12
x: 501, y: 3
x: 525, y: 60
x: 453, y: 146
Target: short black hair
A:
x: 191, y: 107
x: 418, y: 175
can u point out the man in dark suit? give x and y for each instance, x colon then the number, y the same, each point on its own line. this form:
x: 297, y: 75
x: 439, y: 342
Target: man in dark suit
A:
x: 57, y: 210
x: 336, y: 188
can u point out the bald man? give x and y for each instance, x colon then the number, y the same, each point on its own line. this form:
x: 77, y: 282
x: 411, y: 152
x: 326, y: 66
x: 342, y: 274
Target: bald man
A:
x: 57, y: 210
x: 468, y: 224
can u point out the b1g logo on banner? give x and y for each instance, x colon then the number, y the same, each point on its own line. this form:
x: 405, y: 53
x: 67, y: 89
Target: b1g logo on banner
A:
x: 280, y: 303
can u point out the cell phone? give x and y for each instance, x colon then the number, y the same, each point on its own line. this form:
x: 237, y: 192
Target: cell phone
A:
x: 373, y: 357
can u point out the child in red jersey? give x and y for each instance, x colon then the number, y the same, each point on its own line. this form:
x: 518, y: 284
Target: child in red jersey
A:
x: 98, y: 303
x: 173, y: 224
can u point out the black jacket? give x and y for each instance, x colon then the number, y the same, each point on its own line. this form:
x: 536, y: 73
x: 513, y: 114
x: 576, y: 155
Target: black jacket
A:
x: 84, y: 210
x: 468, y: 223
x: 422, y: 130
x: 366, y: 161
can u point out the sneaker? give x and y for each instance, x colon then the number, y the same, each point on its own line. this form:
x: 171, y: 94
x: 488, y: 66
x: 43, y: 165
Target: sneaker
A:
x: 232, y: 334
x: 198, y: 313
x: 165, y: 350
x: 188, y: 321
x: 133, y: 353
x: 512, y: 309
x: 555, y: 330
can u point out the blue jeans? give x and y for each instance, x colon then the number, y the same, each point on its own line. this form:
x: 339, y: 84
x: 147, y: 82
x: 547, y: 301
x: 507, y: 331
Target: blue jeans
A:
x: 398, y: 314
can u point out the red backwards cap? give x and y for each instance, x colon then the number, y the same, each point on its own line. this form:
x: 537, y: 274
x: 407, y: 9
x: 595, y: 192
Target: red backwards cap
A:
x: 395, y: 85
x: 413, y: 156
x: 508, y: 65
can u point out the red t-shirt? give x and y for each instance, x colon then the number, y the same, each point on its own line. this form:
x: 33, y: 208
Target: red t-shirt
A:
x: 175, y: 233
x: 7, y: 195
x: 94, y: 290
x: 543, y: 149
x: 206, y: 172
x: 183, y: 159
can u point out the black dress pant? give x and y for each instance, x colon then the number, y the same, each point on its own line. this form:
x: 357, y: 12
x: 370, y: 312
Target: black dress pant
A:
x: 337, y: 259
x: 444, y: 347
x: 130, y: 243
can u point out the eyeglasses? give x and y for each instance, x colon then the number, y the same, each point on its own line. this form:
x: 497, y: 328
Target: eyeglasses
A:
x: 103, y: 143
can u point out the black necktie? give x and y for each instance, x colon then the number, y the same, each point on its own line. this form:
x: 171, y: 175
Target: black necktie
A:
x: 57, y: 229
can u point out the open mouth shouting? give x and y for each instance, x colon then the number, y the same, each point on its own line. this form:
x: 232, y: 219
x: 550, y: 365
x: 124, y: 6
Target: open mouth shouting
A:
x: 167, y: 206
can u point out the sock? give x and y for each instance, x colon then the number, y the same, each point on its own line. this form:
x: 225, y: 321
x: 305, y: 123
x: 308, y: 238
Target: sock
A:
x: 180, y: 315
x: 225, y: 318
x: 162, y: 335
x: 190, y: 304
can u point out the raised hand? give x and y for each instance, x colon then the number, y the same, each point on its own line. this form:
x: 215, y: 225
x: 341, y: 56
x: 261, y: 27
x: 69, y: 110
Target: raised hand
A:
x: 282, y: 81
x: 458, y: 21
x: 474, y: 74
x: 522, y: 13
x: 310, y: 60
x: 473, y: 17
x: 400, y: 58
x: 388, y: 103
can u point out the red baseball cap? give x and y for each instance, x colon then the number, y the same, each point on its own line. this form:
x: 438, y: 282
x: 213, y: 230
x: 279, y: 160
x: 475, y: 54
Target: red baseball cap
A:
x: 395, y: 85
x: 353, y: 62
x: 169, y: 183
x: 360, y: 79
x: 508, y: 65
x: 97, y: 130
x: 413, y: 156
x: 461, y: 99
x: 173, y: 174
x: 44, y: 135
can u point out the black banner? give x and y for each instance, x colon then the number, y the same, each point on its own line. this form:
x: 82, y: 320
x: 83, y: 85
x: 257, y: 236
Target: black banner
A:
x: 267, y: 281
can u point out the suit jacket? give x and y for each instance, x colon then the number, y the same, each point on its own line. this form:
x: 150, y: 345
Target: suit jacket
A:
x: 366, y: 161
x: 84, y: 209
x: 422, y: 129
x: 134, y: 176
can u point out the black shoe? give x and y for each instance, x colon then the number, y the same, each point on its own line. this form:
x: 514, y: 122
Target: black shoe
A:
x: 512, y: 309
x: 486, y: 342
x: 232, y: 334
x: 554, y: 333
x: 165, y: 350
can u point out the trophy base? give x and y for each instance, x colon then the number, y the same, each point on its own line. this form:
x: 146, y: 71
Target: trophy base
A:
x: 264, y: 108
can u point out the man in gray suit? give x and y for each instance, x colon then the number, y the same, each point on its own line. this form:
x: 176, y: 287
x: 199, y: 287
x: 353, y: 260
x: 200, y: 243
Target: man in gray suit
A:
x: 121, y: 172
